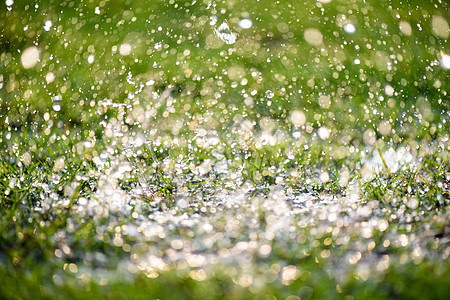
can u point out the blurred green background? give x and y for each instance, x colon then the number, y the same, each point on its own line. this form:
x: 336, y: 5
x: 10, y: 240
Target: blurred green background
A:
x: 174, y: 49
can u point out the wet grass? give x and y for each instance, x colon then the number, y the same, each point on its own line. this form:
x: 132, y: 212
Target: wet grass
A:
x: 53, y: 249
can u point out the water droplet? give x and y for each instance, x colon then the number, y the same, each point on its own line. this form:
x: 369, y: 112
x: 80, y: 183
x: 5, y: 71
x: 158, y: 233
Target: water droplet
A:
x: 269, y: 94
x: 413, y: 203
x: 445, y: 61
x: 213, y: 20
x: 389, y: 90
x: 221, y: 167
x: 225, y: 34
x: 324, y: 177
x: 298, y: 118
x: 48, y: 25
x: 313, y: 36
x: 324, y: 133
x: 440, y: 26
x: 125, y: 49
x: 30, y: 57
x: 245, y: 23
x: 182, y: 203
x: 369, y: 137
x: 385, y: 128
x: 349, y: 28
x: 56, y: 105
x: 405, y: 28
x: 325, y: 101
x: 49, y: 77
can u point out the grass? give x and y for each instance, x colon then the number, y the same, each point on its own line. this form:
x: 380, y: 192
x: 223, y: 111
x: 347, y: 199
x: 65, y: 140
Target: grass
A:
x: 173, y: 172
x: 411, y: 199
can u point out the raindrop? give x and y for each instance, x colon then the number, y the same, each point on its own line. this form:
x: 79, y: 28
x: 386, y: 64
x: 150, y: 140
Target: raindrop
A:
x: 269, y: 94
x: 49, y: 77
x: 405, y: 28
x: 440, y: 26
x: 213, y: 20
x: 182, y: 203
x: 48, y: 25
x: 389, y: 90
x: 30, y: 57
x: 245, y: 23
x: 125, y: 49
x: 369, y: 137
x: 298, y: 118
x: 324, y: 133
x: 349, y: 28
x: 324, y: 101
x: 221, y: 167
x: 385, y: 128
x: 56, y: 105
x: 313, y: 36
x: 445, y: 61
x: 225, y: 34
x: 324, y: 177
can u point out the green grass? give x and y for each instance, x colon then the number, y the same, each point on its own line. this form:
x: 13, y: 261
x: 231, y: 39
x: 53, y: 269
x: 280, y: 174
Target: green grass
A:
x: 169, y: 172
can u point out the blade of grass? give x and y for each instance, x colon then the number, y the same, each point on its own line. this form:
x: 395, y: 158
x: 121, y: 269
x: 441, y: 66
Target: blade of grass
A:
x: 383, y: 160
